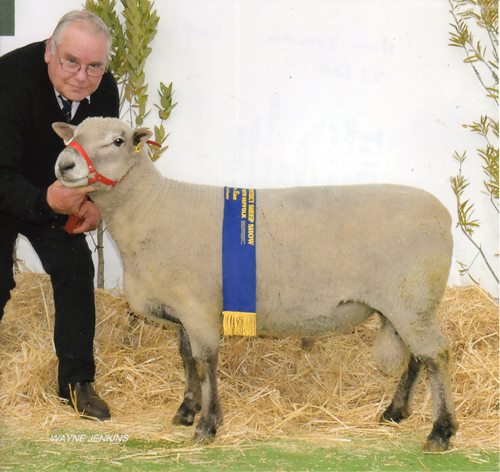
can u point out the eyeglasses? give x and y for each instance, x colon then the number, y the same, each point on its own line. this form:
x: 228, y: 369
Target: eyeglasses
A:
x: 73, y: 66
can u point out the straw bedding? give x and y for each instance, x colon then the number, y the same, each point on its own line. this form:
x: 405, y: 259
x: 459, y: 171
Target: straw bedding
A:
x: 269, y: 388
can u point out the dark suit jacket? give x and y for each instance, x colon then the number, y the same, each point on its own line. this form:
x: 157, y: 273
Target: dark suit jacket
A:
x: 28, y: 145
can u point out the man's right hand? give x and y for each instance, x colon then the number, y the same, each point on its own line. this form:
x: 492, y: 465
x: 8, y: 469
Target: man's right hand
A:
x: 66, y: 200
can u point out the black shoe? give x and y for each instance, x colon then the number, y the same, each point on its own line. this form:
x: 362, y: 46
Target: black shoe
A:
x: 83, y: 398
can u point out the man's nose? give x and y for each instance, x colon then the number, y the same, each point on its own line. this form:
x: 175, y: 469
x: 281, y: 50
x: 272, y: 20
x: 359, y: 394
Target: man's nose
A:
x: 81, y: 74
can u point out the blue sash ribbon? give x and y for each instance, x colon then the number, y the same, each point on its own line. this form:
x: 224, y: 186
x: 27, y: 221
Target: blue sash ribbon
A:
x: 238, y: 262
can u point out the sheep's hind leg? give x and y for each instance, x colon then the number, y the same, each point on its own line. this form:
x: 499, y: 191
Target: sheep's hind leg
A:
x: 192, y: 394
x: 445, y: 424
x: 428, y: 347
x: 400, y: 407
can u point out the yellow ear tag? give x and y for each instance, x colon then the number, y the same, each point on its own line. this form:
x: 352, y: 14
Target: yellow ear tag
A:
x: 138, y: 148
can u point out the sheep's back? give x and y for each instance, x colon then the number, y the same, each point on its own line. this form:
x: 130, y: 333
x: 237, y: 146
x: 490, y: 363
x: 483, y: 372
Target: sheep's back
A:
x: 319, y: 246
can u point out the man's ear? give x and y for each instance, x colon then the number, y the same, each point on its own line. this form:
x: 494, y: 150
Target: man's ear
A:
x: 64, y: 131
x: 48, y: 50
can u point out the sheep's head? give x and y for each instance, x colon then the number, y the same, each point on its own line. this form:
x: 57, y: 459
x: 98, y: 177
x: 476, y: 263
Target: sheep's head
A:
x: 99, y: 151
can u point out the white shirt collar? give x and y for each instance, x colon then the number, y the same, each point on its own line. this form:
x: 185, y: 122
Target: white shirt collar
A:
x: 74, y: 104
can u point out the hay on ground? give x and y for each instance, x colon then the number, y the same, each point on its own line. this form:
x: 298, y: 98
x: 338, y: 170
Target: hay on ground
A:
x: 269, y: 388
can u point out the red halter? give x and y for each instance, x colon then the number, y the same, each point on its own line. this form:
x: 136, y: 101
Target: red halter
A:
x: 97, y: 177
x: 74, y: 220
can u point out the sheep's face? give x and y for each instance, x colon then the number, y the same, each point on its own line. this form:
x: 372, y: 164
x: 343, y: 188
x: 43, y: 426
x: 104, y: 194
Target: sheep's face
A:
x: 111, y: 149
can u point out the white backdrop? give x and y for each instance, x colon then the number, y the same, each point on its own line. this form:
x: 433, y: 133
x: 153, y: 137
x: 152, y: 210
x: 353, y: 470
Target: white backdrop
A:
x: 306, y: 92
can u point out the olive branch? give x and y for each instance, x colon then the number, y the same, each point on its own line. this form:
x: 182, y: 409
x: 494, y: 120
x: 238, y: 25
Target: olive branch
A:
x: 483, y: 59
x: 132, y: 32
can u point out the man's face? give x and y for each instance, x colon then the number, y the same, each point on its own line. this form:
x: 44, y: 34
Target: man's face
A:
x: 76, y: 44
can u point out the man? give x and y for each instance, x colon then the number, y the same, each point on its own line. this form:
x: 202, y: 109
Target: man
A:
x: 61, y: 79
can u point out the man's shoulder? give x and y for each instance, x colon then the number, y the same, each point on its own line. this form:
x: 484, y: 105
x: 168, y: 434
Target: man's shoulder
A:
x: 105, y: 100
x: 24, y: 55
x: 108, y: 82
x: 23, y: 62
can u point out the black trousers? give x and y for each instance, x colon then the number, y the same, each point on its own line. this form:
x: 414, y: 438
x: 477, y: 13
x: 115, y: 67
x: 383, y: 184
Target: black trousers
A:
x: 67, y: 259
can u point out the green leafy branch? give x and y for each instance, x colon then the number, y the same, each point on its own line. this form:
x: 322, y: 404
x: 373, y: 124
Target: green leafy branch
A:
x: 488, y: 154
x: 482, y: 14
x: 466, y: 221
x: 132, y: 35
x: 485, y: 15
x: 132, y: 32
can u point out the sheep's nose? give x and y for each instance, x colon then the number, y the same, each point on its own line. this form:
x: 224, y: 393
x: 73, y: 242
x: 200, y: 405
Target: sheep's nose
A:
x: 65, y: 166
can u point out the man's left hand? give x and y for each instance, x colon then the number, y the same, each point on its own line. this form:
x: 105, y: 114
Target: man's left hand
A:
x: 89, y: 216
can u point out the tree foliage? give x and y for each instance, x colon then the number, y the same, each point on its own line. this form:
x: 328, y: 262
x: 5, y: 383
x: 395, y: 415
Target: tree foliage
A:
x: 475, y: 31
x: 133, y: 25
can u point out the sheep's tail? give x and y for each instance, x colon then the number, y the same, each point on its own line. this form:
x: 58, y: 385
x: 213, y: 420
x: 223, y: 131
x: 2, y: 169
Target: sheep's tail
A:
x: 389, y: 350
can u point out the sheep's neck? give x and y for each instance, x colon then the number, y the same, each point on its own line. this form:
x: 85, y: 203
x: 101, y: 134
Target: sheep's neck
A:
x: 136, y: 194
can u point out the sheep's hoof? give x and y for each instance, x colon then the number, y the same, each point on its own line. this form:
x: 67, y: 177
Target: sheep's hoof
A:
x: 205, y: 431
x: 204, y: 437
x: 436, y: 444
x: 394, y: 415
x: 185, y: 415
x: 179, y: 420
x: 442, y: 431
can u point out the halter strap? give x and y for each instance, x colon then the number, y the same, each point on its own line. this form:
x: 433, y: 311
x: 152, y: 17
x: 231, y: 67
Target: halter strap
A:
x: 94, y: 176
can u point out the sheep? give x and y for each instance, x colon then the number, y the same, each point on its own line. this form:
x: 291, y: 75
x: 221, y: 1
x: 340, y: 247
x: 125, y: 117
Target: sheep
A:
x: 328, y: 257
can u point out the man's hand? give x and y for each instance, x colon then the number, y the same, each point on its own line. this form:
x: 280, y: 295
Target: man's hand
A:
x: 66, y: 200
x: 89, y: 216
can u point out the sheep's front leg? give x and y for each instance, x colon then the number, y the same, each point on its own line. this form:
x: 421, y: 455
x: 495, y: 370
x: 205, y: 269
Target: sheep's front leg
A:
x: 192, y: 392
x: 211, y: 415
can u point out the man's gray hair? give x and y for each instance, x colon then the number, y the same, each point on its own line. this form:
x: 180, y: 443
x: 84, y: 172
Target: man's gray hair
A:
x: 89, y: 22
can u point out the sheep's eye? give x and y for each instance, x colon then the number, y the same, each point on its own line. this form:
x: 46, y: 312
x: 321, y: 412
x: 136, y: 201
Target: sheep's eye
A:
x: 118, y: 142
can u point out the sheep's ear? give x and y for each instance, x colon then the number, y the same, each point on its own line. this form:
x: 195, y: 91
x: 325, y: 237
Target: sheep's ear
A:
x: 64, y: 131
x: 141, y: 135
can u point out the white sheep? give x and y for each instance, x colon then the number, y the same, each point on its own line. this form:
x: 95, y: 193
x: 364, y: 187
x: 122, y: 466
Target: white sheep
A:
x: 327, y: 258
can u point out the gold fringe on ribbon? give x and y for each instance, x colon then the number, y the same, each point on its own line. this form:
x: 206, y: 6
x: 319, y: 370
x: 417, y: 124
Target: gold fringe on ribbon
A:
x: 239, y: 323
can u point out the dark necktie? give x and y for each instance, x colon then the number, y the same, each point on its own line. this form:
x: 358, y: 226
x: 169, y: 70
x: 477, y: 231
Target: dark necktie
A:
x: 66, y: 108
